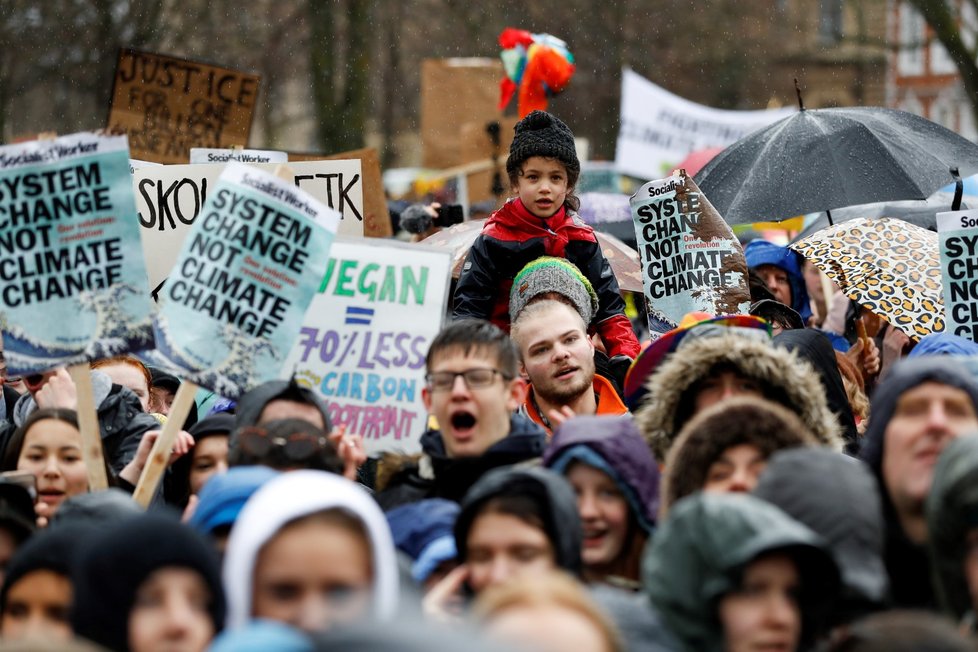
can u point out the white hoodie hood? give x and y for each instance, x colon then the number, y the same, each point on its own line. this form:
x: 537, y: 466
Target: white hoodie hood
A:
x: 291, y: 496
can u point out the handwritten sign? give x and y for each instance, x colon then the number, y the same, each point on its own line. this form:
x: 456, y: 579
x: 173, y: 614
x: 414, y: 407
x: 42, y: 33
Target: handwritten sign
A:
x: 168, y: 105
x: 251, y: 264
x: 170, y: 197
x: 365, y: 337
x: 957, y: 233
x: 72, y: 278
x: 691, y: 259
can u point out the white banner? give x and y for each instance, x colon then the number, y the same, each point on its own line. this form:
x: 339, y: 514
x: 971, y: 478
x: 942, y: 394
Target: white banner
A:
x: 659, y: 129
x: 365, y: 337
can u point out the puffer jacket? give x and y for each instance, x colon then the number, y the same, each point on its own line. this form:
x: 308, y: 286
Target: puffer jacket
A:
x: 513, y: 237
x: 784, y: 378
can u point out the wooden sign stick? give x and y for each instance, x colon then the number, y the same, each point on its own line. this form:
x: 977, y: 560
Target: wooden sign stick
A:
x: 88, y: 425
x: 159, y: 457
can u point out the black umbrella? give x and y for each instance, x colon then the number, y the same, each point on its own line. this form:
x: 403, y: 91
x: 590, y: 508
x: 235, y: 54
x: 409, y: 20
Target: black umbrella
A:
x: 822, y: 159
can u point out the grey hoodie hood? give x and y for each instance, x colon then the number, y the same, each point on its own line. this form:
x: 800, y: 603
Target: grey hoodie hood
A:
x: 783, y: 376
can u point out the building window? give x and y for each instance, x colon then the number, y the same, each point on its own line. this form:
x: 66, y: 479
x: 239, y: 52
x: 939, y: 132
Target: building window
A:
x: 830, y: 21
x: 910, y: 60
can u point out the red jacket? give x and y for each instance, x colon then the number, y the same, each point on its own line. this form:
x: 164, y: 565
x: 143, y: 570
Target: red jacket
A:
x: 513, y: 237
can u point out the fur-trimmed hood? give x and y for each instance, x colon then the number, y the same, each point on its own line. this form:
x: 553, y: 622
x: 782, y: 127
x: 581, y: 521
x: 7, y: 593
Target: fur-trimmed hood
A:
x: 739, y: 420
x: 785, y: 378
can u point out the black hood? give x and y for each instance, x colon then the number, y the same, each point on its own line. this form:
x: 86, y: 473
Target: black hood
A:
x: 837, y: 497
x: 550, y: 491
x: 815, y: 347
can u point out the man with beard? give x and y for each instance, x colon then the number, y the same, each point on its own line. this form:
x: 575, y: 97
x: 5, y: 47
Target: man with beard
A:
x: 557, y: 357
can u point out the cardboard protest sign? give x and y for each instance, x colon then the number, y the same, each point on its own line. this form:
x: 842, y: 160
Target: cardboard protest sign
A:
x: 167, y: 105
x: 211, y: 155
x: 170, y: 197
x: 251, y: 264
x: 365, y: 337
x: 691, y: 260
x: 72, y: 278
x: 957, y: 236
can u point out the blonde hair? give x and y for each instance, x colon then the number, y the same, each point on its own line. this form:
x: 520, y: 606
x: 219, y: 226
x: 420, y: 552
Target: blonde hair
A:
x: 554, y: 589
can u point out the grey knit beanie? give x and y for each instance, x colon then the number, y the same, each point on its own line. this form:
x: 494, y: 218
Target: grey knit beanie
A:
x: 549, y: 274
x: 541, y: 134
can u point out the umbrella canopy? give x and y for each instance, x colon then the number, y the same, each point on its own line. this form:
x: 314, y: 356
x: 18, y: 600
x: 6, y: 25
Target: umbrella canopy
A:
x: 889, y: 266
x: 623, y: 259
x: 822, y: 159
x: 921, y: 212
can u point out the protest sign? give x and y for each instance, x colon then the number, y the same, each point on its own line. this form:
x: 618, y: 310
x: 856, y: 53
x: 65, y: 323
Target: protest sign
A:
x: 376, y: 217
x: 170, y: 197
x: 691, y: 260
x: 957, y: 233
x: 251, y: 264
x: 365, y: 337
x: 167, y: 105
x: 659, y: 129
x: 211, y: 155
x: 72, y: 277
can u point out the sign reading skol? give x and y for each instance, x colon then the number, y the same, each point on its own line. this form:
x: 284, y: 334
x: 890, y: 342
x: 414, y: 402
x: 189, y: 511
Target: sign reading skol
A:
x: 365, y: 337
x: 72, y: 278
x: 235, y: 299
x: 168, y: 105
x: 691, y: 260
x: 957, y: 234
x: 170, y: 197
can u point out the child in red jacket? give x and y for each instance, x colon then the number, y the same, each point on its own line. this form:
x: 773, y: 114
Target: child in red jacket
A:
x: 541, y: 221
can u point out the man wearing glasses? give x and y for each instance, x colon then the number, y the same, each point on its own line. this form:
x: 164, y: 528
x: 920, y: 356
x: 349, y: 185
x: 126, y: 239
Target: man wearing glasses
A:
x: 472, y: 390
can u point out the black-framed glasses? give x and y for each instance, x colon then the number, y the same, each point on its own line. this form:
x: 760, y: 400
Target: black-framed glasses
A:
x: 440, y: 381
x: 297, y: 447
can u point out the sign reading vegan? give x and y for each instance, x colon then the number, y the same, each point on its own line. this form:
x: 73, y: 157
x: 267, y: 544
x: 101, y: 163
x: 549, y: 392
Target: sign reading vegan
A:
x: 364, y: 339
x: 691, y: 260
x: 167, y: 105
x: 170, y: 197
x: 72, y: 278
x: 958, y: 239
x: 235, y: 299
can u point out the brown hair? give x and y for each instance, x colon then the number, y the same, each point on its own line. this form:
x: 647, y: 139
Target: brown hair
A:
x: 555, y: 589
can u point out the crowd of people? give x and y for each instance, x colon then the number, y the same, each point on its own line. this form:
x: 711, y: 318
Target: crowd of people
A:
x: 768, y: 481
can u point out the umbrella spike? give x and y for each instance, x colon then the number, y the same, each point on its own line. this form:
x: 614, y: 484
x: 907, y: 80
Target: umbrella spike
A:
x: 958, y: 189
x: 801, y: 104
x: 828, y: 214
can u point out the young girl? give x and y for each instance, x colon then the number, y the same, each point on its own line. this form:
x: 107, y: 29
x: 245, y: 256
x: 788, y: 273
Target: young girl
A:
x: 616, y: 481
x: 312, y: 550
x: 543, y: 169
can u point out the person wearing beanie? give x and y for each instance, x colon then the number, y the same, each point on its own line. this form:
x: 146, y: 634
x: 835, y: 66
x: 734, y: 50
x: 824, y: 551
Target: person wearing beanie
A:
x: 222, y: 500
x: 37, y: 594
x: 541, y: 221
x: 208, y: 457
x: 726, y: 447
x: 917, y: 410
x: 147, y: 583
x: 557, y: 357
